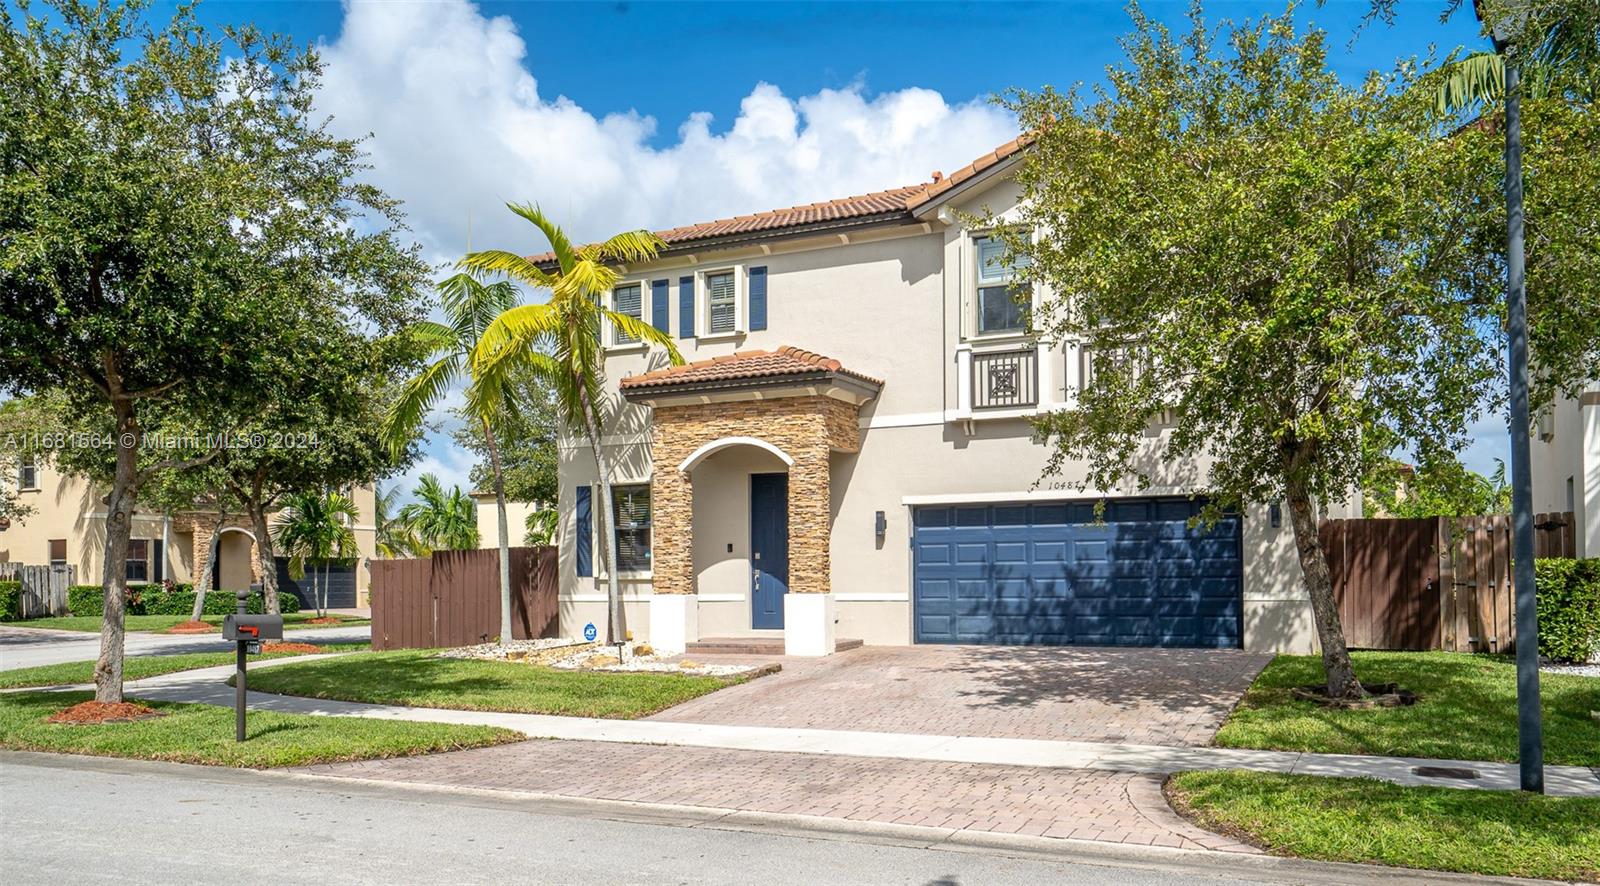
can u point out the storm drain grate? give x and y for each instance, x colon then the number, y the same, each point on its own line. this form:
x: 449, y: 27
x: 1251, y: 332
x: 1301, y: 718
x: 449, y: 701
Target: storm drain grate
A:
x: 1444, y: 772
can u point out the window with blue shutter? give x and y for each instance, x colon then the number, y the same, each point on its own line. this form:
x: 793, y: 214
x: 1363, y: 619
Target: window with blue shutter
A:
x: 686, y: 307
x: 582, y: 547
x: 722, y: 303
x: 658, y: 304
x: 626, y: 300
x: 758, y: 298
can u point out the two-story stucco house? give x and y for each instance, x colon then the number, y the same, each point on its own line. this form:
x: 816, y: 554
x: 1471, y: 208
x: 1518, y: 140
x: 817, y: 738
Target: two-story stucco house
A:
x: 847, y: 454
x: 66, y: 527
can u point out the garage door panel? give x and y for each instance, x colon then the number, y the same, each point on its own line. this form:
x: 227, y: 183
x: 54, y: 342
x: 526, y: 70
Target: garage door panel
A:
x: 1050, y: 574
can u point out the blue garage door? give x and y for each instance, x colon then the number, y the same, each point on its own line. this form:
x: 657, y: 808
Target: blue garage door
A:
x: 1051, y: 574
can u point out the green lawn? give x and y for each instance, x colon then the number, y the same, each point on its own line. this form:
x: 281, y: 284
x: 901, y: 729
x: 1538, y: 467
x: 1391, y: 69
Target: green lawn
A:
x: 422, y: 679
x: 291, y: 621
x: 1467, y: 711
x: 137, y: 667
x: 1502, y: 833
x: 198, y: 733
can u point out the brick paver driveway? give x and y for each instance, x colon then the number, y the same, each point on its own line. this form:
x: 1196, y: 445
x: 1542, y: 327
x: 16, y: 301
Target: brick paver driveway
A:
x: 1078, y: 804
x: 1137, y: 696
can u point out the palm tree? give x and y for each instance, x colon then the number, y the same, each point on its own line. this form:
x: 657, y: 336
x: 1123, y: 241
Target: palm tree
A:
x: 395, y: 539
x: 540, y: 527
x: 560, y: 340
x: 313, y: 527
x: 1563, y: 38
x: 469, y: 306
x: 440, y: 518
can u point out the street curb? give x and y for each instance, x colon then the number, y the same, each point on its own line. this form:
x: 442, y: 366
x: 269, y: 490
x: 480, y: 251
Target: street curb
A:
x: 1191, y: 862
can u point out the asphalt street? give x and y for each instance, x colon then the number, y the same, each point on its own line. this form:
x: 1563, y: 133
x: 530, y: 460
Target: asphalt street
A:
x: 89, y: 820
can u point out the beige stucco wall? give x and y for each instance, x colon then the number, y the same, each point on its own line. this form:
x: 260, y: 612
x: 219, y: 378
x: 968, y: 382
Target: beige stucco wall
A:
x: 1571, y: 452
x: 489, y: 520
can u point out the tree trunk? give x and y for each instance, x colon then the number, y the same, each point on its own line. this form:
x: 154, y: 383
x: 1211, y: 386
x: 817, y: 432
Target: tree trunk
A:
x: 114, y: 576
x: 1336, y: 663
x: 505, y: 538
x: 606, y: 527
x: 209, y: 569
x: 323, y: 611
x: 269, y: 565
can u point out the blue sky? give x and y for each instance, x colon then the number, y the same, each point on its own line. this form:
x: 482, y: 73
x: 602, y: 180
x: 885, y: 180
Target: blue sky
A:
x: 618, y: 115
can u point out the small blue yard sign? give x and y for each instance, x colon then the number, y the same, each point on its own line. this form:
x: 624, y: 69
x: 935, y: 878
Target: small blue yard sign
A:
x: 589, y: 633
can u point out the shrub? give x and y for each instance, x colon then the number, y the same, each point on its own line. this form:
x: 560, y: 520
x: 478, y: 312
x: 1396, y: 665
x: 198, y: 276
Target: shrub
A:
x: 180, y: 601
x: 90, y: 599
x: 10, y: 600
x: 1569, y: 608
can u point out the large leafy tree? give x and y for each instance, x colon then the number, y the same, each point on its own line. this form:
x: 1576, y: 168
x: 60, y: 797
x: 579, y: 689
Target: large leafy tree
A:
x: 1439, y: 487
x: 314, y: 529
x: 439, y: 518
x: 469, y: 307
x: 1295, y: 267
x: 170, y: 204
x: 560, y: 341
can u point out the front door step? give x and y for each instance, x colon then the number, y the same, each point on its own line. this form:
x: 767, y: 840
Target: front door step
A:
x: 752, y: 646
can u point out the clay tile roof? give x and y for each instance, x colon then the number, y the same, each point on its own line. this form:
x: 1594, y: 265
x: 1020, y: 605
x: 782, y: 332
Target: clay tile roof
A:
x: 1000, y: 154
x: 742, y: 365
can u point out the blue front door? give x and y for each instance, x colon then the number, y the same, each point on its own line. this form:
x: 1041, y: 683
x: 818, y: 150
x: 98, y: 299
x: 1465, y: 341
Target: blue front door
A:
x: 769, y: 549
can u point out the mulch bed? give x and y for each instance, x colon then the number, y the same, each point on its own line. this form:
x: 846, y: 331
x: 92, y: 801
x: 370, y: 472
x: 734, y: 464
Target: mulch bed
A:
x: 89, y: 713
x: 192, y: 627
x: 1380, y: 695
x: 324, y: 620
x: 290, y: 647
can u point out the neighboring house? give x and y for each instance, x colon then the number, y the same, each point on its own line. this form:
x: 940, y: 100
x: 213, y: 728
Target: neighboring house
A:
x: 67, y: 526
x: 489, y: 520
x: 847, y: 454
x: 1566, y: 464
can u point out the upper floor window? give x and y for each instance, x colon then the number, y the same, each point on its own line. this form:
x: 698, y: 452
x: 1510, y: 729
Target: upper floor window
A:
x: 722, y: 303
x: 28, y: 475
x: 627, y: 300
x: 1002, y: 298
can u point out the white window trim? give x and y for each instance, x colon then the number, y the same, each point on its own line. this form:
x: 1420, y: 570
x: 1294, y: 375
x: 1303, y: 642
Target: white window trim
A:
x: 702, y: 300
x: 28, y: 464
x: 149, y: 560
x: 974, y: 311
x: 608, y: 331
x: 600, y: 573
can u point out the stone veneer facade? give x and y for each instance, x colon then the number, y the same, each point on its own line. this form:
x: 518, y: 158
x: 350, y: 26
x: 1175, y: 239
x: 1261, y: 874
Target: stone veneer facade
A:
x: 202, y: 527
x: 806, y: 427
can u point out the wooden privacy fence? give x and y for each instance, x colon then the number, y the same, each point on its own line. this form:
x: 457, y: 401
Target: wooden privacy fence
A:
x: 1433, y: 583
x: 452, y: 598
x: 44, y: 588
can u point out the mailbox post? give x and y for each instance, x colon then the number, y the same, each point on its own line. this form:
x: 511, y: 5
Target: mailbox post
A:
x: 247, y: 631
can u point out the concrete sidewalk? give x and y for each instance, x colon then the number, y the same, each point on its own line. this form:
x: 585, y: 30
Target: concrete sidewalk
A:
x: 208, y: 686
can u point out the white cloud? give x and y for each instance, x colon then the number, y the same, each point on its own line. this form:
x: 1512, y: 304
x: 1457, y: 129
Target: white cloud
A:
x: 459, y: 125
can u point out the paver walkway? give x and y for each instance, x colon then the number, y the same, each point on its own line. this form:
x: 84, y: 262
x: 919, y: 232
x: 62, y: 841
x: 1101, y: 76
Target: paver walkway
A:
x: 1077, y: 804
x: 1137, y: 696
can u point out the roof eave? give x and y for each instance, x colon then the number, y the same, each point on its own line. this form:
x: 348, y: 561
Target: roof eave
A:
x: 930, y: 208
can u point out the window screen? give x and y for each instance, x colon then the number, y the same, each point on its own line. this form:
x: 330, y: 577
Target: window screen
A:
x: 720, y: 299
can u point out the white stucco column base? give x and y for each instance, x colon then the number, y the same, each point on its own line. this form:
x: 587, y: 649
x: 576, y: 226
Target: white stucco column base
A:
x: 808, y: 624
x: 674, y: 622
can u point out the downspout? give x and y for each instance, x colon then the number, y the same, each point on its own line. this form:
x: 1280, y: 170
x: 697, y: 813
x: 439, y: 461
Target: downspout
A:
x: 166, y: 546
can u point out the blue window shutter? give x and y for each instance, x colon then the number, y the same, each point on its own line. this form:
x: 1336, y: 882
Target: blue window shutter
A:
x: 686, y: 307
x: 758, y: 299
x: 582, y: 547
x: 658, y: 304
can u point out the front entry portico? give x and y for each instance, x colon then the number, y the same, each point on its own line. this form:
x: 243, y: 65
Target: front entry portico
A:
x: 741, y: 490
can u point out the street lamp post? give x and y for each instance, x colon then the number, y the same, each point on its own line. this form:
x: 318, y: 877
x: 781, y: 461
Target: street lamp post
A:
x: 1529, y: 727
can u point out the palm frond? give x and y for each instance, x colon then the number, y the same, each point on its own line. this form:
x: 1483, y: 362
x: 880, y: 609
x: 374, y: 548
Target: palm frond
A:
x: 1477, y: 79
x: 633, y: 327
x: 566, y: 255
x: 471, y: 305
x: 416, y: 398
x: 631, y: 246
x: 511, y: 265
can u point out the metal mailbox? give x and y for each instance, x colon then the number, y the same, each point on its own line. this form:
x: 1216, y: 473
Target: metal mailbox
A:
x: 252, y: 628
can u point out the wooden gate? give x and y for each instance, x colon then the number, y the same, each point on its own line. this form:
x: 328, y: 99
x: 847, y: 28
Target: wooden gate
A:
x: 1386, y: 581
x: 44, y: 588
x: 1434, y: 583
x: 452, y: 598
